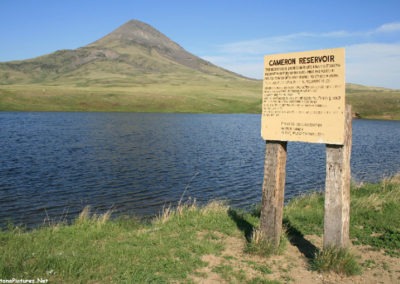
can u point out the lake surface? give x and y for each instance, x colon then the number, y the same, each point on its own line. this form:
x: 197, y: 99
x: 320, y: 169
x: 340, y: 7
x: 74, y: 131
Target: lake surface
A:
x: 54, y: 164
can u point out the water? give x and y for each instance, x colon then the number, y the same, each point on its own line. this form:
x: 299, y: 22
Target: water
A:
x: 54, y: 164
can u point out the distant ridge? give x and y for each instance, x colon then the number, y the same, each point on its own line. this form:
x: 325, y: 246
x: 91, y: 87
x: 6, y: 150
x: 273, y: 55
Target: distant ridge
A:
x: 133, y: 48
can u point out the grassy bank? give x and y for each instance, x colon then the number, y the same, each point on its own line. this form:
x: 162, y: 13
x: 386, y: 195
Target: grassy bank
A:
x: 193, y: 244
x: 195, y: 97
x: 190, y: 95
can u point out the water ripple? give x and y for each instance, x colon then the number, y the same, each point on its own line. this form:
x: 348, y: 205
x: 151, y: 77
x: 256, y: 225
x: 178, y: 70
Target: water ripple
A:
x: 54, y: 164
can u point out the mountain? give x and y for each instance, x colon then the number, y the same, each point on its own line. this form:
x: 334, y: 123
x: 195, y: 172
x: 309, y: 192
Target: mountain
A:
x: 138, y: 69
x: 133, y: 53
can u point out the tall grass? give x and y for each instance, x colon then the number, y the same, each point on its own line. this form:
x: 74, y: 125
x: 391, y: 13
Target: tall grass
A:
x: 259, y: 246
x: 339, y: 260
x: 85, y: 217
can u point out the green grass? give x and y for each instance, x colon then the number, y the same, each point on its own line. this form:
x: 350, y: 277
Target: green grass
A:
x: 171, y: 247
x: 372, y: 223
x: 306, y: 214
x: 228, y: 273
x: 372, y: 211
x: 94, y: 249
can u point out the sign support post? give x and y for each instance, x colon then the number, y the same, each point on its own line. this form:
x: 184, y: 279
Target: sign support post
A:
x: 273, y: 191
x: 337, y: 189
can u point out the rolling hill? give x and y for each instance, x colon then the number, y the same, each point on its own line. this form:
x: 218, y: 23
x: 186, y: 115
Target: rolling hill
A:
x: 135, y: 53
x: 137, y: 68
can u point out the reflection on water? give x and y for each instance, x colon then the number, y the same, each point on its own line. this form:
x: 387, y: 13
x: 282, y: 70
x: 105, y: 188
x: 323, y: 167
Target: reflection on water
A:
x: 54, y: 164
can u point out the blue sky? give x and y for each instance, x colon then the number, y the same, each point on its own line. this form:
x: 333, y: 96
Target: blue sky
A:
x: 230, y: 33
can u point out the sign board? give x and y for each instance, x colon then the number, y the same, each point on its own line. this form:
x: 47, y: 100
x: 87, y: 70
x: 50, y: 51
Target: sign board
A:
x: 304, y: 97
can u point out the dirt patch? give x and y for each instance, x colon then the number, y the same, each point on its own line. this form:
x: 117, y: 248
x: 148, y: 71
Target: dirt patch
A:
x: 206, y: 274
x: 233, y: 265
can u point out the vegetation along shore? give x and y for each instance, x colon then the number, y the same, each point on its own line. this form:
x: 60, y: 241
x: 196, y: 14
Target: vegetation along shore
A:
x: 239, y: 96
x: 197, y: 244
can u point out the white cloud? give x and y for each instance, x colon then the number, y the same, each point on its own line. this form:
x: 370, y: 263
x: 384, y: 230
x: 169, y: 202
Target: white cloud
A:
x: 264, y: 45
x: 373, y: 57
x: 336, y: 34
x: 374, y: 64
x: 387, y: 28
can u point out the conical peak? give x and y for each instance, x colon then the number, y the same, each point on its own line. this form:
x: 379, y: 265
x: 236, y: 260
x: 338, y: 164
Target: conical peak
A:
x: 135, y: 28
x: 137, y: 32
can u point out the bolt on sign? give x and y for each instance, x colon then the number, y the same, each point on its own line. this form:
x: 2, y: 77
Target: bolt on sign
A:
x: 304, y: 97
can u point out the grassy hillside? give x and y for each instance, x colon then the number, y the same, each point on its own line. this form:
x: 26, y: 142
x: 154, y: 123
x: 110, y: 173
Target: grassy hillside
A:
x: 210, y: 96
x: 190, y: 92
x: 374, y: 103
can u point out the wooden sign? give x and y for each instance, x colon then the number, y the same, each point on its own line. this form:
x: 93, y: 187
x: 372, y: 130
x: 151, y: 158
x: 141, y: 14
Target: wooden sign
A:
x: 304, y: 100
x: 304, y: 97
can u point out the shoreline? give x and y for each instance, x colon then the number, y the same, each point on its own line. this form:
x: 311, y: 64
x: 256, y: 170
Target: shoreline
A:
x: 192, y: 243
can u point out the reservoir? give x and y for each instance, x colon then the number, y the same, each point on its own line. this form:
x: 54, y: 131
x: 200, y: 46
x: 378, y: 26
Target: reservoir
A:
x: 54, y: 164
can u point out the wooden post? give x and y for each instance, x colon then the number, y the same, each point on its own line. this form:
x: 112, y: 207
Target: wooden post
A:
x: 273, y: 191
x: 337, y: 189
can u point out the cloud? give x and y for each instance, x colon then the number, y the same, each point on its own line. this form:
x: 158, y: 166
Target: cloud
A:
x: 281, y: 43
x: 264, y: 45
x: 388, y: 28
x: 372, y: 56
x: 374, y: 64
